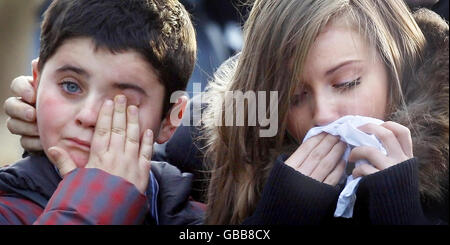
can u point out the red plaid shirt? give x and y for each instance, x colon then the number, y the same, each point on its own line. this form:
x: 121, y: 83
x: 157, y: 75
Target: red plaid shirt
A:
x: 84, y: 196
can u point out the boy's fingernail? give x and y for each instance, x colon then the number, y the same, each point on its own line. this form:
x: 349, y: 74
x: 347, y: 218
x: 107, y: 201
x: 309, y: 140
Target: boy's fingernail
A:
x: 148, y: 132
x: 121, y: 99
x: 109, y: 102
x: 53, y: 153
x: 132, y: 109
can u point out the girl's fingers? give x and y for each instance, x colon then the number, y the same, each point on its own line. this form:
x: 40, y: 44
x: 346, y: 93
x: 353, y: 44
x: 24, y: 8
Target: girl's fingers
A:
x: 132, y: 139
x: 317, y: 154
x: 387, y: 138
x: 119, y: 124
x: 102, y: 133
x: 329, y: 162
x: 146, y: 151
x: 298, y: 157
x: 371, y: 154
x: 363, y: 170
x: 334, y: 177
x: 403, y: 135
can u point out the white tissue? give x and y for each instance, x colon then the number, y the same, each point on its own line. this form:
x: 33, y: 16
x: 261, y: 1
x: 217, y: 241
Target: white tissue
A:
x: 347, y: 128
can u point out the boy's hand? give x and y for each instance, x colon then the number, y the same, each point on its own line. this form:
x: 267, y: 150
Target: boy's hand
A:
x: 22, y: 113
x: 115, y: 145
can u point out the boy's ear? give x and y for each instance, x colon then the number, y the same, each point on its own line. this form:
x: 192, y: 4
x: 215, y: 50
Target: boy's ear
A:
x: 172, y: 120
x: 35, y: 72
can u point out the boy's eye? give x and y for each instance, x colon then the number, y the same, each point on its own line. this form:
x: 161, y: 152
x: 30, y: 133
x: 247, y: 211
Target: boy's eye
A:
x: 70, y: 87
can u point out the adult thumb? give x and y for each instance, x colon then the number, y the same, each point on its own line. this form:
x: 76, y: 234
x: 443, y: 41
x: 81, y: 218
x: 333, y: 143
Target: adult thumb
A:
x: 61, y: 159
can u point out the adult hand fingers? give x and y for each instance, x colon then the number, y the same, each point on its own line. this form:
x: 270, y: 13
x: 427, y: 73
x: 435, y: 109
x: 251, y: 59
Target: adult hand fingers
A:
x: 371, y: 154
x: 102, y: 133
x: 403, y: 135
x: 119, y: 124
x: 18, y: 109
x: 298, y: 157
x: 363, y: 170
x: 22, y: 128
x: 336, y: 175
x: 316, y: 155
x: 132, y: 139
x: 387, y: 138
x: 22, y: 87
x: 329, y: 162
x: 61, y: 159
x: 31, y: 143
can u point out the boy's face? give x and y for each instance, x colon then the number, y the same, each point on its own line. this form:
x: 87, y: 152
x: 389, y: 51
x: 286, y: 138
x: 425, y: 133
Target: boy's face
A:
x: 76, y: 81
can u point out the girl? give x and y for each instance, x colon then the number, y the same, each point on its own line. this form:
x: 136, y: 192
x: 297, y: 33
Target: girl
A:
x: 328, y: 59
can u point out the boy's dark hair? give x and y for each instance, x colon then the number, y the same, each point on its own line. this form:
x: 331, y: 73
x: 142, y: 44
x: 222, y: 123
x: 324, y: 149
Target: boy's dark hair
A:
x: 160, y: 30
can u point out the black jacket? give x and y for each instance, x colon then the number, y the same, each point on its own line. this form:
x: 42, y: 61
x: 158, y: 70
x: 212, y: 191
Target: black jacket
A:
x: 36, y: 179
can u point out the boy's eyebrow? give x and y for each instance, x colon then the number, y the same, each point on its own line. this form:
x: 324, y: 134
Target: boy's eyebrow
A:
x: 72, y: 68
x: 330, y: 71
x: 123, y: 86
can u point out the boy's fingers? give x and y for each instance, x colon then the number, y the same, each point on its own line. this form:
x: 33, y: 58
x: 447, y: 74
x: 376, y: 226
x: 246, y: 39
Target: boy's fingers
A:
x: 119, y: 123
x: 62, y: 160
x: 146, y: 150
x: 132, y: 139
x: 17, y: 108
x: 100, y: 140
x: 22, y: 87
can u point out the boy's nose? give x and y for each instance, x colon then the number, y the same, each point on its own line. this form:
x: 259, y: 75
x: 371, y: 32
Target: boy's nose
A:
x: 87, y: 116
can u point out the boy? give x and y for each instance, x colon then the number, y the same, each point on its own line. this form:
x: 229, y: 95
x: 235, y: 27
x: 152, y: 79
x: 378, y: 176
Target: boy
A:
x: 136, y: 52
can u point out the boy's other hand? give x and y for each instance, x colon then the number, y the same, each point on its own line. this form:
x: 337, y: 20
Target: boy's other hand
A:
x: 22, y: 113
x: 115, y: 146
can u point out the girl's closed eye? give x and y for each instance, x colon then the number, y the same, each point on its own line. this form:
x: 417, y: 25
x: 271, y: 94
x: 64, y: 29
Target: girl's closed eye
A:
x: 345, y: 86
x: 70, y: 87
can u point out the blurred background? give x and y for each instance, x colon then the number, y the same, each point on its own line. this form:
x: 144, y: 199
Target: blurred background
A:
x: 219, y: 35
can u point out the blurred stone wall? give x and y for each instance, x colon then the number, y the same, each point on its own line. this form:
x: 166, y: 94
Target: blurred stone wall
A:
x: 18, y: 23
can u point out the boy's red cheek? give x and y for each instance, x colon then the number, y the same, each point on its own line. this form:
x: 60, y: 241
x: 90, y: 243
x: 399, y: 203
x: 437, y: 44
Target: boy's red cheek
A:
x: 51, y: 109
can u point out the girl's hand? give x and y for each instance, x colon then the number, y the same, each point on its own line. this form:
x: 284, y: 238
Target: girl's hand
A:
x: 320, y: 158
x: 115, y: 146
x: 395, y: 138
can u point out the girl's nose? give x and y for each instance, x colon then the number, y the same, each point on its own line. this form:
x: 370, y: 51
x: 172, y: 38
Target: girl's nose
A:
x: 325, y: 110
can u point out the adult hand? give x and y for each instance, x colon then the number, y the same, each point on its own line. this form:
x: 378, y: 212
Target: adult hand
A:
x: 396, y: 140
x: 115, y: 146
x: 320, y: 158
x: 22, y: 113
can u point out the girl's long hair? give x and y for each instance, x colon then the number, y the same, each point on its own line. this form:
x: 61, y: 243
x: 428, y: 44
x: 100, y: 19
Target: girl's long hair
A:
x: 277, y: 37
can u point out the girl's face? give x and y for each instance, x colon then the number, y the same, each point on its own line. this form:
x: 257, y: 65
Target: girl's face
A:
x: 343, y: 75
